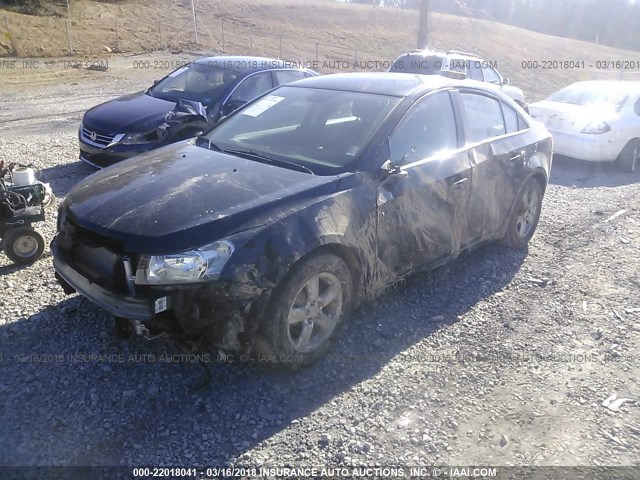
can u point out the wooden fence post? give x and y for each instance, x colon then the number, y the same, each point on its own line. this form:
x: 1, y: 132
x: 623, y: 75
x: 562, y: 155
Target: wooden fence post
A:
x: 69, y: 37
x: 222, y: 31
x: 118, y: 35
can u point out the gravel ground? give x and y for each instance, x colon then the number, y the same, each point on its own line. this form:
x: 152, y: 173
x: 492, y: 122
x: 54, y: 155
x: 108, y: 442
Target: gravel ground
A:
x: 503, y: 358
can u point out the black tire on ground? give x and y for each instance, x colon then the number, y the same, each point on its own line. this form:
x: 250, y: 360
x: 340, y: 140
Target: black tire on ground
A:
x: 23, y: 245
x: 305, y: 311
x: 525, y: 215
x: 628, y: 160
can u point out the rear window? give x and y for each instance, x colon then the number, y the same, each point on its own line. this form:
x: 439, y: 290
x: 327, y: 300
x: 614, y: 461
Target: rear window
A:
x: 589, y: 94
x: 522, y: 123
x: 421, y: 64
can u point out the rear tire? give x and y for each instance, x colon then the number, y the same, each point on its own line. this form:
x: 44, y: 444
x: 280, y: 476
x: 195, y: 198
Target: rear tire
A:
x: 23, y: 245
x: 628, y: 160
x: 306, y: 311
x: 524, y: 218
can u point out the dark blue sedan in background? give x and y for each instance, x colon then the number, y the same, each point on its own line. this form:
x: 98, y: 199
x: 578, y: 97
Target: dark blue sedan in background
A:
x: 182, y: 105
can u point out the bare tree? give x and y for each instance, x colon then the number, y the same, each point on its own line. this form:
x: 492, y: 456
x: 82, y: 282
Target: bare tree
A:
x: 423, y: 26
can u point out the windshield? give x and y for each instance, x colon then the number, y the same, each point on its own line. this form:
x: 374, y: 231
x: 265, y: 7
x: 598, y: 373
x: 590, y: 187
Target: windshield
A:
x: 421, y: 64
x: 324, y: 131
x: 592, y: 95
x: 197, y: 82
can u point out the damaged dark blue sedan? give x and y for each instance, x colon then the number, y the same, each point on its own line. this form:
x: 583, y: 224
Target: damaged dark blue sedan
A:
x: 264, y: 234
x: 182, y: 105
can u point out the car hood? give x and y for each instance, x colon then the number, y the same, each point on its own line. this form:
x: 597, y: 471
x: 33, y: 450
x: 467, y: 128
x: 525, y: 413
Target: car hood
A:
x: 133, y: 113
x: 182, y: 196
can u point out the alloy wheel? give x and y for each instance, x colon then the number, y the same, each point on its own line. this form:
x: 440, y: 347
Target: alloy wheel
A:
x: 528, y: 213
x: 315, y: 312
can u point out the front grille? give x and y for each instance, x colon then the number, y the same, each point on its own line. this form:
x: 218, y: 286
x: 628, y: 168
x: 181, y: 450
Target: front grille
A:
x: 96, y: 257
x: 97, y: 137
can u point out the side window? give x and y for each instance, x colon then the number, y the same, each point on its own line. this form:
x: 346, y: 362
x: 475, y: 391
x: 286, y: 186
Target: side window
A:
x: 287, y: 76
x: 484, y: 117
x: 427, y: 128
x: 457, y: 65
x: 522, y: 123
x: 252, y: 87
x: 475, y: 70
x: 636, y: 107
x: 491, y: 76
x: 510, y: 119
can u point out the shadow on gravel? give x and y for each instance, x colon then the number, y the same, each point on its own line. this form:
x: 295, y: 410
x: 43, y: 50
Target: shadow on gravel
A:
x: 63, y: 177
x: 10, y: 268
x: 569, y: 172
x: 135, y: 400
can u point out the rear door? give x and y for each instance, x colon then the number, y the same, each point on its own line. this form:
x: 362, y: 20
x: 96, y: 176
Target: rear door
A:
x: 420, y: 210
x: 498, y: 153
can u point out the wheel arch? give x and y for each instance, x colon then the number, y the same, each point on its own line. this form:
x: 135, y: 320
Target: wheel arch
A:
x: 537, y: 175
x: 340, y: 250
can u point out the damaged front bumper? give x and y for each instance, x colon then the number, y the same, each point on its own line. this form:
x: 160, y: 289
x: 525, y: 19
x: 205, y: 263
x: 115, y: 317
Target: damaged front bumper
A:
x: 221, y: 313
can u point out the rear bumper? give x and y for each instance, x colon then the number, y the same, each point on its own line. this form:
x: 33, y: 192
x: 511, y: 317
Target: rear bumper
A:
x: 592, y: 148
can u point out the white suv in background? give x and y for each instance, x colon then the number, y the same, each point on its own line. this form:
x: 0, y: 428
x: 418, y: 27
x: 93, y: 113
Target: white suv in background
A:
x: 429, y: 62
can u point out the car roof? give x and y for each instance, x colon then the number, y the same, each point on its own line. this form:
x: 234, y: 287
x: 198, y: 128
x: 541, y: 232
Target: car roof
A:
x: 453, y: 54
x: 244, y: 64
x: 386, y: 83
x: 424, y: 53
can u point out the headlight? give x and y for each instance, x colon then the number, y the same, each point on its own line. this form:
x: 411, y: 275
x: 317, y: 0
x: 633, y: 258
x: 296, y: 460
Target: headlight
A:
x: 595, y: 128
x: 135, y: 138
x: 198, y: 265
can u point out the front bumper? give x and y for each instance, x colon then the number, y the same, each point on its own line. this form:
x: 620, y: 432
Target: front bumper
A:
x: 224, y: 312
x: 118, y: 304
x: 100, y: 157
x: 592, y: 148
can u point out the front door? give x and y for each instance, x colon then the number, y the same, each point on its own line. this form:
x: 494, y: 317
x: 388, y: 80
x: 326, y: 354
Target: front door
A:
x: 420, y: 208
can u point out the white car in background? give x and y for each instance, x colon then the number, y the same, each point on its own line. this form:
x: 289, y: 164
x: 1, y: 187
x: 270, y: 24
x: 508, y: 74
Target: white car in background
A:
x: 597, y: 121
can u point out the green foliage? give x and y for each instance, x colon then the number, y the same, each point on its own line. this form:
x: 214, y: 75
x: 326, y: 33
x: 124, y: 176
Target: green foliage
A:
x: 31, y: 7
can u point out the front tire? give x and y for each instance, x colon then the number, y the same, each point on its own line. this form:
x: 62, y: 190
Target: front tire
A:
x: 306, y: 310
x: 628, y: 160
x: 524, y: 218
x: 23, y: 245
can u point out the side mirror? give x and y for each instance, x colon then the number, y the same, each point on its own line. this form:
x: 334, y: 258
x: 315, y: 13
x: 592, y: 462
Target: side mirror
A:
x: 505, y: 81
x: 155, y: 82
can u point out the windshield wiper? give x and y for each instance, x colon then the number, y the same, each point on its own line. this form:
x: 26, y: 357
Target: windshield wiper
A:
x: 263, y: 158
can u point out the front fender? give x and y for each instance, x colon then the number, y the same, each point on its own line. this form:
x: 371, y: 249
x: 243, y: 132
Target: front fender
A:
x: 345, y: 220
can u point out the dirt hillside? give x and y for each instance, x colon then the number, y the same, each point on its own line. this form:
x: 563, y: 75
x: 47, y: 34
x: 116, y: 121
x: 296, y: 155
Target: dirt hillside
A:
x: 290, y: 28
